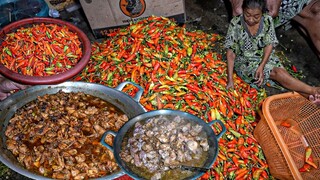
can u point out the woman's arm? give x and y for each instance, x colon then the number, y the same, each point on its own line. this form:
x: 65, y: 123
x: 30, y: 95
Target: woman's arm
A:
x: 266, y: 54
x: 230, y: 61
x: 259, y: 76
x: 270, y: 40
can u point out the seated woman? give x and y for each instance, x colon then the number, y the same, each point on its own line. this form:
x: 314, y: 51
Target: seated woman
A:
x: 305, y: 12
x: 249, y: 43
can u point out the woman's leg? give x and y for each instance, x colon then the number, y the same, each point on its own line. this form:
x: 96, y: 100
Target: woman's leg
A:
x: 286, y: 80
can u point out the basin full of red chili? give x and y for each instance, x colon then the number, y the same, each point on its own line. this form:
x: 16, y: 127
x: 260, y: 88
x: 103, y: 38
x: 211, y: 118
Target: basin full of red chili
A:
x: 40, y: 49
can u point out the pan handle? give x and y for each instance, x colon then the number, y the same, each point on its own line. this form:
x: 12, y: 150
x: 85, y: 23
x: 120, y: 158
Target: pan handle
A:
x: 222, y: 126
x: 139, y: 93
x: 104, y: 136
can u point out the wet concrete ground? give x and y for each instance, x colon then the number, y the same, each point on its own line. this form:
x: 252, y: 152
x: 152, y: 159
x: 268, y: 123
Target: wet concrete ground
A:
x: 212, y: 16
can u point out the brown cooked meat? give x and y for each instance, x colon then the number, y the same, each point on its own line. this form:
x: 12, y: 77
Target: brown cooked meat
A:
x: 58, y: 135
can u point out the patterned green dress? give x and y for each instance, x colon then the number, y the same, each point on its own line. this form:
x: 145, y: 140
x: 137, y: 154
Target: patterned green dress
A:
x: 249, y: 49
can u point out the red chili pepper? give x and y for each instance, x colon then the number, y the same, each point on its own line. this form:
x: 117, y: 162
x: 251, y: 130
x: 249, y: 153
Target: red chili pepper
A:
x: 305, y: 168
x: 242, y: 131
x: 250, y: 140
x: 240, y: 141
x: 205, y: 176
x: 130, y: 57
x: 244, y: 154
x: 294, y: 68
x: 193, y: 88
x: 237, y: 111
x: 57, y: 49
x: 311, y: 163
x: 231, y: 124
x: 255, y: 149
x: 235, y: 160
x: 222, y: 107
x: 112, y: 34
x: 240, y: 171
x: 232, y: 169
x: 239, y: 121
x: 190, y: 97
x: 285, y: 124
x: 248, y: 104
x: 264, y: 174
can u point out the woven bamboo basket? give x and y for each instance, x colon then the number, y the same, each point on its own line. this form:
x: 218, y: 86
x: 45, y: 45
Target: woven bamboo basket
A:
x: 284, y: 147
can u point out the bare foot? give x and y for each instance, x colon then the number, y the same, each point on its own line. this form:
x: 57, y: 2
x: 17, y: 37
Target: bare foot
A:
x: 315, y: 99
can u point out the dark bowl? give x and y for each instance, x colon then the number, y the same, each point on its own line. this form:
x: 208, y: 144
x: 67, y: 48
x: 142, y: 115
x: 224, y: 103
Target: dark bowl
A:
x: 55, y: 78
x: 213, y: 138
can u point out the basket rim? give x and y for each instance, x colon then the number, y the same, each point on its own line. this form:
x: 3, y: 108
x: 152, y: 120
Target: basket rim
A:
x: 273, y: 127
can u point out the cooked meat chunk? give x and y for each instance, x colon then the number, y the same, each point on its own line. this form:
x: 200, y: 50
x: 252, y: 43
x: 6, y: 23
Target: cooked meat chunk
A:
x: 58, y: 135
x: 162, y: 142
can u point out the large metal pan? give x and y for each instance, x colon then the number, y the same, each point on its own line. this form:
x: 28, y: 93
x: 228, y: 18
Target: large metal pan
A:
x: 119, y: 136
x: 130, y: 106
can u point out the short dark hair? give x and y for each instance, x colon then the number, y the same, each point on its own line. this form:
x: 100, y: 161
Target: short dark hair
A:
x: 261, y: 4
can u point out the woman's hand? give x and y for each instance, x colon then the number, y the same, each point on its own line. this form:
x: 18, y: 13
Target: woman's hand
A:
x: 230, y: 85
x: 6, y: 86
x: 259, y: 76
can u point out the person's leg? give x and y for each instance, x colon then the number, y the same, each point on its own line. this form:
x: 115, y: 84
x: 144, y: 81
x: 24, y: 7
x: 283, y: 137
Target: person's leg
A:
x: 273, y: 7
x: 286, y: 80
x: 236, y: 7
x: 309, y: 19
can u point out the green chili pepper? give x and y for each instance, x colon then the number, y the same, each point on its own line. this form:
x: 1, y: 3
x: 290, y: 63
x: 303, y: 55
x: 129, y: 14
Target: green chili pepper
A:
x: 7, y: 51
x: 65, y: 48
x: 58, y: 64
x: 49, y: 69
x: 189, y: 51
x: 235, y: 133
x: 48, y: 34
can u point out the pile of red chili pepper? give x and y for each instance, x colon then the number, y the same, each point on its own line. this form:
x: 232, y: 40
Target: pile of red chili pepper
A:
x: 183, y: 70
x: 40, y: 50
